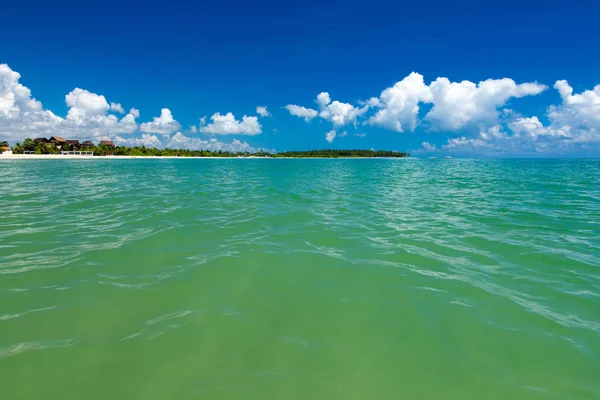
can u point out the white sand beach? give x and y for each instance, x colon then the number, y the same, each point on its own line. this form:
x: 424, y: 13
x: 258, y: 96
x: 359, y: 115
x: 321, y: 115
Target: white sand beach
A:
x: 5, y: 156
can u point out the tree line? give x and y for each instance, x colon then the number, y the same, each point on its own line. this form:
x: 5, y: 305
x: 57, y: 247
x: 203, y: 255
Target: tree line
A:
x: 142, y: 151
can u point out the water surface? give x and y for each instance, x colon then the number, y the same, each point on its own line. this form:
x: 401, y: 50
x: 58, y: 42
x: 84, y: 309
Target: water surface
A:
x: 300, y: 279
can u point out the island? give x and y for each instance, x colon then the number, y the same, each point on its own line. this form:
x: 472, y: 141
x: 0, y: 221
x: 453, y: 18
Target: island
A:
x: 57, y: 145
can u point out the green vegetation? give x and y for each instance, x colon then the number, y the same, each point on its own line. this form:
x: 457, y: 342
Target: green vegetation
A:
x: 44, y: 148
x: 328, y: 153
x: 38, y: 148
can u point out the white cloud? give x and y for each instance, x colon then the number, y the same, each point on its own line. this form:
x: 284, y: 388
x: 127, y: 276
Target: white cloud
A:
x: 117, y: 107
x: 428, y: 147
x: 336, y: 112
x: 14, y: 97
x: 464, y: 143
x: 262, y: 111
x: 228, y: 125
x: 22, y: 116
x: 577, y: 110
x: 574, y: 124
x: 88, y: 115
x: 525, y: 137
x: 457, y: 105
x: 533, y: 128
x: 399, y: 104
x: 147, y: 140
x: 343, y: 134
x: 180, y: 141
x: 329, y: 136
x: 360, y: 134
x: 85, y: 104
x: 461, y: 107
x: 128, y: 123
x: 164, y: 125
x: 302, y: 112
x: 323, y: 99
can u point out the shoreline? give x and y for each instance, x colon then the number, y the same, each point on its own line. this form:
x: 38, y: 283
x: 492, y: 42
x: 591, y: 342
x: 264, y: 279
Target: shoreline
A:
x: 77, y: 157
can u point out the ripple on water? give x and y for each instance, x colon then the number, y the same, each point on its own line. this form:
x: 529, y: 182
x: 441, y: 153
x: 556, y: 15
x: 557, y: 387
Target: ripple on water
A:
x: 242, y: 264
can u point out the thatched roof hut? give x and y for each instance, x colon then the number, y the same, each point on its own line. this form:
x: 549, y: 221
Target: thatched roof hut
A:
x: 108, y: 143
x: 40, y: 140
x: 87, y: 143
x: 57, y: 140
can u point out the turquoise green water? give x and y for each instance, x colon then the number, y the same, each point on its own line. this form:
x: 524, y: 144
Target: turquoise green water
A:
x: 300, y: 279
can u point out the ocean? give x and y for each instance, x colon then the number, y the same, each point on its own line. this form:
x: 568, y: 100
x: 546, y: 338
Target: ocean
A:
x: 300, y: 279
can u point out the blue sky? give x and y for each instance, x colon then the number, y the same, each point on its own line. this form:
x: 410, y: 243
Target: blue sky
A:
x: 223, y: 57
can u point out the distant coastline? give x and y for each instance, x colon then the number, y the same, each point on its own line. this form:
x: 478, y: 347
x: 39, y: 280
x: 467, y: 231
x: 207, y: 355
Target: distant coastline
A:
x: 58, y: 147
x: 251, y: 157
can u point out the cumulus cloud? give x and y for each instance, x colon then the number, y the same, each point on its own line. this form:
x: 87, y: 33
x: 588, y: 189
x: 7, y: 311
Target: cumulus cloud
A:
x: 117, y: 107
x: 428, y: 147
x: 180, y: 141
x: 580, y: 110
x: 476, y: 112
x: 495, y: 141
x: 146, y: 140
x: 85, y: 104
x: 335, y: 112
x: 14, y: 97
x: 164, y: 125
x: 330, y: 136
x: 526, y: 136
x: 262, y: 111
x: 228, y: 125
x: 533, y: 128
x: 128, y: 123
x: 573, y: 126
x: 399, y: 105
x: 88, y: 117
x: 21, y: 115
x: 455, y: 105
x: 302, y: 112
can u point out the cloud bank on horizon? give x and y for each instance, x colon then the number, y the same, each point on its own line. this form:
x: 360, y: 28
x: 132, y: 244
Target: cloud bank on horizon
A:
x: 478, y: 108
x: 91, y: 116
x: 477, y: 114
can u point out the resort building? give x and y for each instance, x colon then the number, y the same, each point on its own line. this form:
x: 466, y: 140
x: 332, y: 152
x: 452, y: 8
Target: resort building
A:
x: 108, y: 143
x: 74, y: 145
x: 57, y: 140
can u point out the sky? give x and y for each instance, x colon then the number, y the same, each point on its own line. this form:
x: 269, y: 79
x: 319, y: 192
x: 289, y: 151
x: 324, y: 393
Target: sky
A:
x: 463, y: 78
